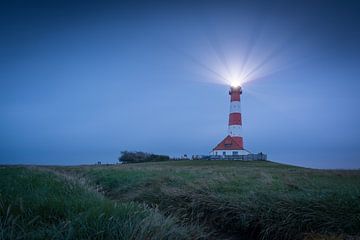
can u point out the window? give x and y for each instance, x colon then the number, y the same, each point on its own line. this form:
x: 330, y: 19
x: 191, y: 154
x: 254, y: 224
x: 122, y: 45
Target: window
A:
x: 235, y: 153
x: 224, y: 153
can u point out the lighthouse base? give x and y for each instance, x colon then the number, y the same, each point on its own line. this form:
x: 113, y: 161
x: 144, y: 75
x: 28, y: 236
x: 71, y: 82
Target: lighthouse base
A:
x: 231, y: 148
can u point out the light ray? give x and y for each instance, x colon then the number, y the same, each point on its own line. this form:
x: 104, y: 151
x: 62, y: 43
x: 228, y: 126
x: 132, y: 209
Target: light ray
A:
x: 260, y: 56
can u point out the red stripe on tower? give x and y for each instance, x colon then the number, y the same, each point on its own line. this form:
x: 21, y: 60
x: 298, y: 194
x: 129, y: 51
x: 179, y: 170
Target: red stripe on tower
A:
x: 235, y: 93
x: 235, y: 119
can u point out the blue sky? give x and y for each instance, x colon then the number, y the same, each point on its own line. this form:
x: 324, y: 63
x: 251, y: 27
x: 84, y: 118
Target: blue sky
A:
x: 82, y: 81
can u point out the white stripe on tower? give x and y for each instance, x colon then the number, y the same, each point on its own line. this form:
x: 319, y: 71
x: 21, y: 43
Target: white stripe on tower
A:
x: 235, y: 130
x: 235, y: 106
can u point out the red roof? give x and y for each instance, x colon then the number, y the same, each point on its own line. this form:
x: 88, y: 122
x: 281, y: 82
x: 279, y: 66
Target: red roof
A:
x: 230, y: 143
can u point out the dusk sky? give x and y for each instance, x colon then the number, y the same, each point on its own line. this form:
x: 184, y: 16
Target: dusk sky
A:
x: 80, y: 81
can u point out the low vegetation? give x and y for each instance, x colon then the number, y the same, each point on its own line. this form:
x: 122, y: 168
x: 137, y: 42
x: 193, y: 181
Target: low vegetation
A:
x: 41, y: 205
x: 138, y: 157
x: 180, y: 200
x: 236, y: 199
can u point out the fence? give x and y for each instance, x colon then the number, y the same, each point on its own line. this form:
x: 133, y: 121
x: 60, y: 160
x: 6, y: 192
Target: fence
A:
x: 248, y: 157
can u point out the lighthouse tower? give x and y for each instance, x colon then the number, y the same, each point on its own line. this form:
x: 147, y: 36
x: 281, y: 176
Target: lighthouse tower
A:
x: 233, y: 143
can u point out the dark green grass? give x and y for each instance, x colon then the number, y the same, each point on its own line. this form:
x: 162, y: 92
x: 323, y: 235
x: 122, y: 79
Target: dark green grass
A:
x: 258, y: 199
x: 41, y: 205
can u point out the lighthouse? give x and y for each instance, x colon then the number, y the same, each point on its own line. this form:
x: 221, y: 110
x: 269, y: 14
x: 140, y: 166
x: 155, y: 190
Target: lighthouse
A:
x: 233, y: 144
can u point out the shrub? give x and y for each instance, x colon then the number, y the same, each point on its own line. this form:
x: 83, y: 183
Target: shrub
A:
x: 137, y: 157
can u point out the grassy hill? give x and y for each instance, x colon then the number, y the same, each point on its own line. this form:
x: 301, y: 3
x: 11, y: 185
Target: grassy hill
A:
x: 181, y: 200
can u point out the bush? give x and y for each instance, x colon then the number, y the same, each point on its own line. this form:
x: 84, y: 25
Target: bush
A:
x: 138, y: 157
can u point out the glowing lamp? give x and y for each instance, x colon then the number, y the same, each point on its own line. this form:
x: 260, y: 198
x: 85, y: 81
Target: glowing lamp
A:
x: 235, y: 82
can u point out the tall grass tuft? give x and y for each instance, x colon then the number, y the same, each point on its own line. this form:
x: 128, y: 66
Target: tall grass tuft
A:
x: 41, y: 205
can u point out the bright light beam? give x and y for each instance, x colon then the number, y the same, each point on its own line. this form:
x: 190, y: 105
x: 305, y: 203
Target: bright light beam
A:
x: 248, y: 64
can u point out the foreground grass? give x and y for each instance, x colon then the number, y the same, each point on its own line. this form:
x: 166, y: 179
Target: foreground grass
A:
x: 257, y: 199
x: 41, y: 205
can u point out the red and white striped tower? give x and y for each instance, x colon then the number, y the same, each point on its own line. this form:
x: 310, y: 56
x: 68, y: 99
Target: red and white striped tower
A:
x: 235, y: 122
x: 233, y: 142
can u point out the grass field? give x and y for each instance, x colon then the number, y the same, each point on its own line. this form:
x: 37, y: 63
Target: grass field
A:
x: 36, y: 204
x: 180, y: 200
